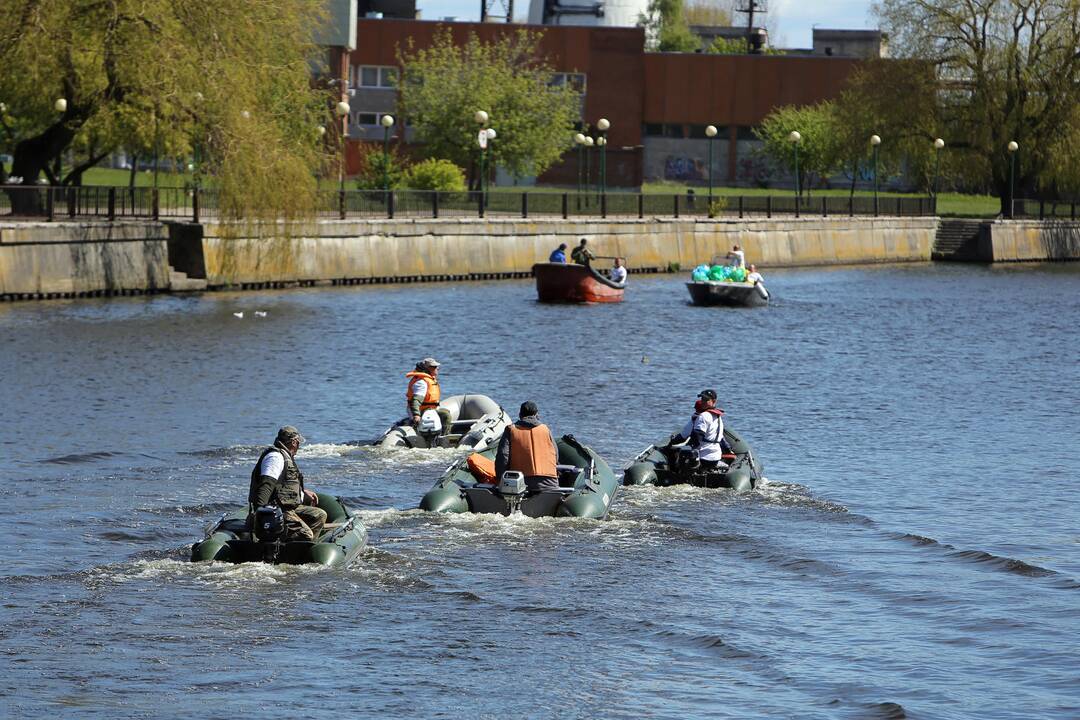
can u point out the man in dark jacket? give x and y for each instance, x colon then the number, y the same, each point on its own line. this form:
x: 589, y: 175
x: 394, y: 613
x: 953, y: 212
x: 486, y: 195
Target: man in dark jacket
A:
x: 527, y: 446
x: 581, y: 254
x: 277, y: 481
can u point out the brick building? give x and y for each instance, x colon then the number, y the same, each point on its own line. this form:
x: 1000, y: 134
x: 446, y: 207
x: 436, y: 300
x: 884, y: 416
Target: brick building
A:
x: 658, y: 103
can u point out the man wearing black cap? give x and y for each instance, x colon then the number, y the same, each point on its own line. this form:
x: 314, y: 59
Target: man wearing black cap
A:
x: 277, y: 481
x: 527, y: 447
x: 705, y: 431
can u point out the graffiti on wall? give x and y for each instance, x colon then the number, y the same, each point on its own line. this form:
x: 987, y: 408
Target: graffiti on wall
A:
x: 684, y: 169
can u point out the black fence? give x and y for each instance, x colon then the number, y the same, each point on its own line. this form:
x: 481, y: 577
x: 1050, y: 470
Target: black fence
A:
x: 195, y: 204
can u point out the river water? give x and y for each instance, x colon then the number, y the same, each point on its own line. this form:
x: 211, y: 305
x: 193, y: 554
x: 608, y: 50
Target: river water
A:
x: 915, y: 552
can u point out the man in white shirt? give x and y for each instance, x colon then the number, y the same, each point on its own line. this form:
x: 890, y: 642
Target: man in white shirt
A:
x: 737, y: 257
x: 705, y: 430
x: 754, y: 276
x: 617, y: 272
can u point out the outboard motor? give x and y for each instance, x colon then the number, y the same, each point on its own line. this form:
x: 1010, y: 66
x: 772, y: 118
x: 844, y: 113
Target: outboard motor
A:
x: 512, y: 488
x: 687, y: 460
x: 430, y: 425
x: 270, y: 530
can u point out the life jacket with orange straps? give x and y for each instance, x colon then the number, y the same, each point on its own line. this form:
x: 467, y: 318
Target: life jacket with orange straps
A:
x: 431, y: 398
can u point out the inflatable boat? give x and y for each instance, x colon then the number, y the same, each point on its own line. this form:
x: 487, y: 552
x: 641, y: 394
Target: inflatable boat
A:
x: 230, y: 539
x: 726, y: 292
x: 573, y: 283
x: 587, y: 486
x: 475, y: 421
x: 678, y: 465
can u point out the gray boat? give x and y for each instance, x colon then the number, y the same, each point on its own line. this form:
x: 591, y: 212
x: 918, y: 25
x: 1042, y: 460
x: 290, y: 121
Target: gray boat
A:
x: 724, y: 292
x: 475, y: 422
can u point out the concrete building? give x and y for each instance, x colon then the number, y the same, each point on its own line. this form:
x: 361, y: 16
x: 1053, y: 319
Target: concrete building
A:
x: 658, y: 103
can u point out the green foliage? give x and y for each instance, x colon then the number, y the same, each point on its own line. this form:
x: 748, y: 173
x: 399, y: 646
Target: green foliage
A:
x: 435, y: 174
x: 718, y: 206
x: 1005, y: 71
x: 666, y: 29
x: 445, y: 85
x: 737, y: 46
x: 228, y: 82
x: 819, y: 148
x: 380, y: 170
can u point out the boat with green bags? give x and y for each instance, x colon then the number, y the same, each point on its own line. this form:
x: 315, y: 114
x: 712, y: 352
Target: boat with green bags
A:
x: 230, y: 538
x: 587, y: 486
x: 725, y: 285
x: 669, y: 464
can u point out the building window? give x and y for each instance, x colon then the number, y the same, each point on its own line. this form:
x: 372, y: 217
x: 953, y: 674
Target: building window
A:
x: 746, y: 132
x: 375, y: 76
x: 367, y: 118
x: 653, y: 130
x: 576, y: 81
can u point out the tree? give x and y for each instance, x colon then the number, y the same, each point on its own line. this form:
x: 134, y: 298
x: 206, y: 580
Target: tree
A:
x: 711, y: 13
x: 905, y: 118
x: 666, y: 29
x: 444, y: 85
x: 229, y: 82
x: 819, y: 148
x: 1005, y: 69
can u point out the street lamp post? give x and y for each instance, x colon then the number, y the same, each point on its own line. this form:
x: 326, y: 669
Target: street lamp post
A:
x: 589, y: 142
x: 59, y: 106
x: 579, y: 140
x: 481, y: 117
x: 875, y: 142
x: 603, y: 126
x: 710, y: 132
x: 1013, y: 147
x: 795, y: 137
x: 342, y: 109
x: 939, y: 144
x: 491, y: 134
x: 387, y: 122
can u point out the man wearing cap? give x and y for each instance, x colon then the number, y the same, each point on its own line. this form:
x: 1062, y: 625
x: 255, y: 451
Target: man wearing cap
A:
x: 423, y: 391
x: 277, y: 481
x: 705, y: 430
x: 527, y: 446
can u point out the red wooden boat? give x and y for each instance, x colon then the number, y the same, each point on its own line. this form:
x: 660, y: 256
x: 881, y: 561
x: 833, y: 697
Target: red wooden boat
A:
x: 573, y: 283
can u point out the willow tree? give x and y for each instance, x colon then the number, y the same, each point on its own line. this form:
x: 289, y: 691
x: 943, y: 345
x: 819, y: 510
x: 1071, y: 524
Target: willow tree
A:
x: 446, y: 83
x: 1006, y: 70
x: 228, y: 83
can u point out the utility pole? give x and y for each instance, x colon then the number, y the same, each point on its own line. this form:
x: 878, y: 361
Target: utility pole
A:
x: 507, y: 5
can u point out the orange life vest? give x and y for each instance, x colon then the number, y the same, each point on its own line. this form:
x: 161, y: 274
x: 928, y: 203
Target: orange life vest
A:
x: 532, y: 452
x: 431, y: 399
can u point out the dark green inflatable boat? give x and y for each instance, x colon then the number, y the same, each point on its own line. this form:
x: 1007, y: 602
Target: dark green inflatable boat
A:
x: 587, y: 488
x: 677, y: 465
x: 230, y: 540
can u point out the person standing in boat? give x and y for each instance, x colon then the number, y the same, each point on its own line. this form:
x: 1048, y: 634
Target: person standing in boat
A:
x: 276, y: 480
x: 754, y: 276
x: 558, y: 255
x: 705, y: 431
x: 737, y: 257
x: 581, y: 254
x: 423, y: 392
x: 617, y: 272
x: 527, y: 447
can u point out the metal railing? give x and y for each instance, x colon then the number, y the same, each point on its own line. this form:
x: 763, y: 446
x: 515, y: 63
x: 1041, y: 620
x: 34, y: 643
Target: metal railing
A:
x: 36, y: 202
x: 1044, y: 209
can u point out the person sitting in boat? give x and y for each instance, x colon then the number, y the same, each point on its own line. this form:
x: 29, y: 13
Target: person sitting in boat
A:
x: 277, y: 481
x: 705, y: 431
x: 737, y: 257
x: 754, y: 276
x: 527, y: 446
x: 558, y: 255
x: 581, y: 254
x: 617, y: 272
x: 423, y: 392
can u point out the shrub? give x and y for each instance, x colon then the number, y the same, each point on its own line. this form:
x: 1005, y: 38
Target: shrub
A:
x: 375, y: 168
x: 435, y: 174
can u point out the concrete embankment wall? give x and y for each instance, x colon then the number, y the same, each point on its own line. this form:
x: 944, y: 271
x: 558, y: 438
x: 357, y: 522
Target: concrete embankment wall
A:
x: 94, y: 258
x: 415, y: 249
x: 82, y: 258
x: 1031, y: 241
